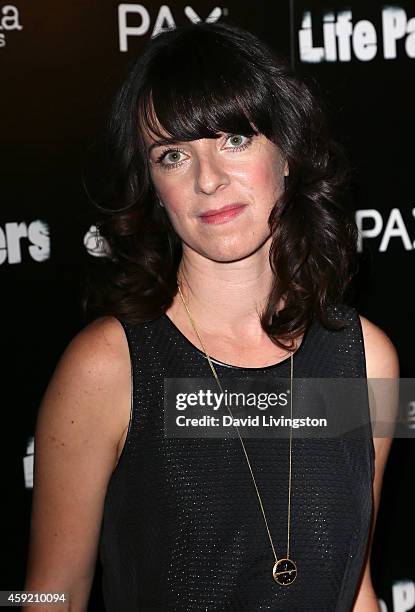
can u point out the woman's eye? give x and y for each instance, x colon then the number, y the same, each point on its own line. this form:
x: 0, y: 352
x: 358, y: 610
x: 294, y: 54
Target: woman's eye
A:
x: 170, y: 158
x: 238, y: 142
x: 173, y: 156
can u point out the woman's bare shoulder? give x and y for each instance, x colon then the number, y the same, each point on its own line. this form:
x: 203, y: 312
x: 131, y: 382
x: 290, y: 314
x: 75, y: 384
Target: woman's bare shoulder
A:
x: 92, y: 378
x: 382, y: 359
x: 100, y: 349
x: 102, y: 339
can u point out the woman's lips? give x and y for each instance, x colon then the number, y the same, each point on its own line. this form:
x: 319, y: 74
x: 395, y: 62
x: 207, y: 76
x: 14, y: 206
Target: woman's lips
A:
x: 224, y: 215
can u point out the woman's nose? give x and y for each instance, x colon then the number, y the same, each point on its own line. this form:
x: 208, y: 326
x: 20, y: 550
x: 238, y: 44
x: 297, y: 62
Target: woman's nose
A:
x: 210, y: 173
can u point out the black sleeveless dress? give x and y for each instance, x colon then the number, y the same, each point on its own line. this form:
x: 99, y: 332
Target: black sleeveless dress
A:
x: 182, y: 527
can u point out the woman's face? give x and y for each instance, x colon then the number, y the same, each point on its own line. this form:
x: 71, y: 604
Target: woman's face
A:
x: 199, y: 177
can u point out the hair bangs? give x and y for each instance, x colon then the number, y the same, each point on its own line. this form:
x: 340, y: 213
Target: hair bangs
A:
x: 201, y: 94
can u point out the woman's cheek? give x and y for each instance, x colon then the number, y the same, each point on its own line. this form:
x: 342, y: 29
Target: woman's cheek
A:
x: 173, y: 202
x: 273, y: 176
x: 264, y: 181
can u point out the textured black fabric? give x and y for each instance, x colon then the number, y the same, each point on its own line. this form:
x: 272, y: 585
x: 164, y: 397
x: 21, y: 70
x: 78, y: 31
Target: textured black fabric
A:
x: 182, y: 528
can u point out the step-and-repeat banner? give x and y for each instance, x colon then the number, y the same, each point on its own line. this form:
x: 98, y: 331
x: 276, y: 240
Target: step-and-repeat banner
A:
x: 60, y: 66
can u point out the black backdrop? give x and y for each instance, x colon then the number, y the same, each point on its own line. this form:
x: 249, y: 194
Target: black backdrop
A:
x: 60, y: 66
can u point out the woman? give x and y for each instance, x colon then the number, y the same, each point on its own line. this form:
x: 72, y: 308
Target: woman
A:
x: 230, y: 254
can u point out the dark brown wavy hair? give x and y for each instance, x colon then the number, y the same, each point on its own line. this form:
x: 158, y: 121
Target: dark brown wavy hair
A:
x: 197, y: 81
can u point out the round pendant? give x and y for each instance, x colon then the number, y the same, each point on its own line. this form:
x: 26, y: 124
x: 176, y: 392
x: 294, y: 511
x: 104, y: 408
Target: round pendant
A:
x: 284, y: 571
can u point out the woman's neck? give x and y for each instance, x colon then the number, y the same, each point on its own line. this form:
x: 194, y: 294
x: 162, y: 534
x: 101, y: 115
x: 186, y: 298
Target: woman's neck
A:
x: 224, y: 298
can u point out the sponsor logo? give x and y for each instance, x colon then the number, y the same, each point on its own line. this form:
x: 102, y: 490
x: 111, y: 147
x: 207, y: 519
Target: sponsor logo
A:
x: 344, y: 40
x: 95, y: 244
x: 403, y: 597
x: 371, y: 224
x: 28, y: 463
x: 134, y: 20
x: 18, y: 238
x: 9, y: 20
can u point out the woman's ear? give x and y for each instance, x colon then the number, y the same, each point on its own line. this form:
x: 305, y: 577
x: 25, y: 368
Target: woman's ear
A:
x: 286, y: 169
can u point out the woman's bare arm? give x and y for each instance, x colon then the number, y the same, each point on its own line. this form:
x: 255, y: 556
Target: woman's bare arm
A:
x: 82, y: 417
x: 382, y: 363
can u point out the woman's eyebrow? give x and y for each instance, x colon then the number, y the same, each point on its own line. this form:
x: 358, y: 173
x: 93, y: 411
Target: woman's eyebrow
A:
x: 164, y: 141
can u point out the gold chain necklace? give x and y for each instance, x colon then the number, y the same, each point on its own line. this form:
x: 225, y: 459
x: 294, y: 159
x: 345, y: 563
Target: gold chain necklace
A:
x: 284, y: 570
